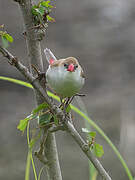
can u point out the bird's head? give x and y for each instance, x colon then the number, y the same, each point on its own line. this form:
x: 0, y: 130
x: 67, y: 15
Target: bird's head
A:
x: 69, y: 64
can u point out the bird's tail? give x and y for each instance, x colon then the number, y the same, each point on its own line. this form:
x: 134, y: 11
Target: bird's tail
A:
x: 49, y: 56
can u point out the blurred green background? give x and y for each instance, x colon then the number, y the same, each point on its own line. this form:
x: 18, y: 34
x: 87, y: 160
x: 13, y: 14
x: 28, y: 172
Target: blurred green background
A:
x: 101, y: 34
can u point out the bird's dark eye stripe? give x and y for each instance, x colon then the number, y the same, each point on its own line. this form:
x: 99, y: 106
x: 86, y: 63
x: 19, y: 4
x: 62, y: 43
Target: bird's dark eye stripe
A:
x: 65, y: 65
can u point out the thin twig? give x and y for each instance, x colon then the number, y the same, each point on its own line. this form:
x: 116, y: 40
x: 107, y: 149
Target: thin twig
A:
x: 58, y: 112
x: 40, y: 153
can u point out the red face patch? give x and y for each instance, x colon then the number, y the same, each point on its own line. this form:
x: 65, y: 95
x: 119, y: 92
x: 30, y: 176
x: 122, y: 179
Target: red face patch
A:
x: 71, y: 67
x: 51, y: 61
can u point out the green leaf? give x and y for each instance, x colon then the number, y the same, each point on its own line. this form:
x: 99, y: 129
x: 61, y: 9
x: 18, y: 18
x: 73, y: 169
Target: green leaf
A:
x: 41, y: 10
x: 38, y: 11
x: 5, y: 37
x: 23, y: 124
x: 44, y: 119
x: 4, y: 42
x: 49, y: 18
x: 46, y: 4
x: 33, y: 10
x: 85, y: 130
x: 98, y: 150
x: 8, y: 37
x: 92, y: 134
x: 40, y: 107
x: 50, y: 6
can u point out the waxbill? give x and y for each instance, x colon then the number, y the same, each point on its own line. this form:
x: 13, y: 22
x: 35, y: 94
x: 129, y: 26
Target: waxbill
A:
x: 64, y: 76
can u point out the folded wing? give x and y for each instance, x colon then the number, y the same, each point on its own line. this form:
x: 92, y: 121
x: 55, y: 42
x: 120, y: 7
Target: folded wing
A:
x: 49, y: 56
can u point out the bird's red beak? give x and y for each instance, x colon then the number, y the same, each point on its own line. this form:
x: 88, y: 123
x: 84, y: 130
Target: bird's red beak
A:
x: 51, y: 61
x: 71, y: 68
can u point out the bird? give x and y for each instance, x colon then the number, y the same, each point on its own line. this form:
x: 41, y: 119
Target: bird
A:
x: 64, y: 76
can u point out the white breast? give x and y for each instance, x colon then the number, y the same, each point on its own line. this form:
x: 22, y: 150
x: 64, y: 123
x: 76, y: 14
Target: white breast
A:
x: 63, y: 82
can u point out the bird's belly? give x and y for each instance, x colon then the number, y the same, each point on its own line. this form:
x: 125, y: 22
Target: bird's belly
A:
x: 65, y: 85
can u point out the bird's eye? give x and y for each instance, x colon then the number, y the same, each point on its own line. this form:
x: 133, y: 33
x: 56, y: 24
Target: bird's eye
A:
x: 76, y: 66
x: 66, y: 65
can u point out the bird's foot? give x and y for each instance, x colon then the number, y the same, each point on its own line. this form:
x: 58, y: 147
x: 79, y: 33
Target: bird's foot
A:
x: 40, y: 75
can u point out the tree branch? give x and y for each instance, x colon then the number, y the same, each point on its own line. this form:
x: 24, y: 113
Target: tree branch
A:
x: 57, y: 111
x: 85, y: 148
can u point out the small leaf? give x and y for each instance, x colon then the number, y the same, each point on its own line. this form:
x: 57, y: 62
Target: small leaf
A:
x: 44, y: 119
x: 92, y: 134
x: 4, y: 42
x: 50, y: 6
x: 98, y: 150
x: 38, y: 11
x: 41, y: 10
x: 33, y: 10
x: 8, y: 37
x: 85, y: 130
x: 23, y: 124
x: 49, y: 18
x: 46, y: 4
x: 40, y: 107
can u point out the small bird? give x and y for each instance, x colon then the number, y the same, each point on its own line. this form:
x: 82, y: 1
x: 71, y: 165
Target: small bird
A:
x: 64, y: 76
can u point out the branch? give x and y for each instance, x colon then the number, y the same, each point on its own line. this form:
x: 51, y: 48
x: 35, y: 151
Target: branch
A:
x: 83, y: 145
x: 85, y: 148
x: 57, y: 111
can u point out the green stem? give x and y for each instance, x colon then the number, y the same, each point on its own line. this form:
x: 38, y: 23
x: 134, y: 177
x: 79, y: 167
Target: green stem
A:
x: 16, y: 81
x: 40, y: 172
x: 27, y: 170
x: 28, y: 163
x: 29, y: 158
x: 33, y: 166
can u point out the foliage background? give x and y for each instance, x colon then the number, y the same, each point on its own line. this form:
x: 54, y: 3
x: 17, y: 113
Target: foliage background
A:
x: 101, y: 35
